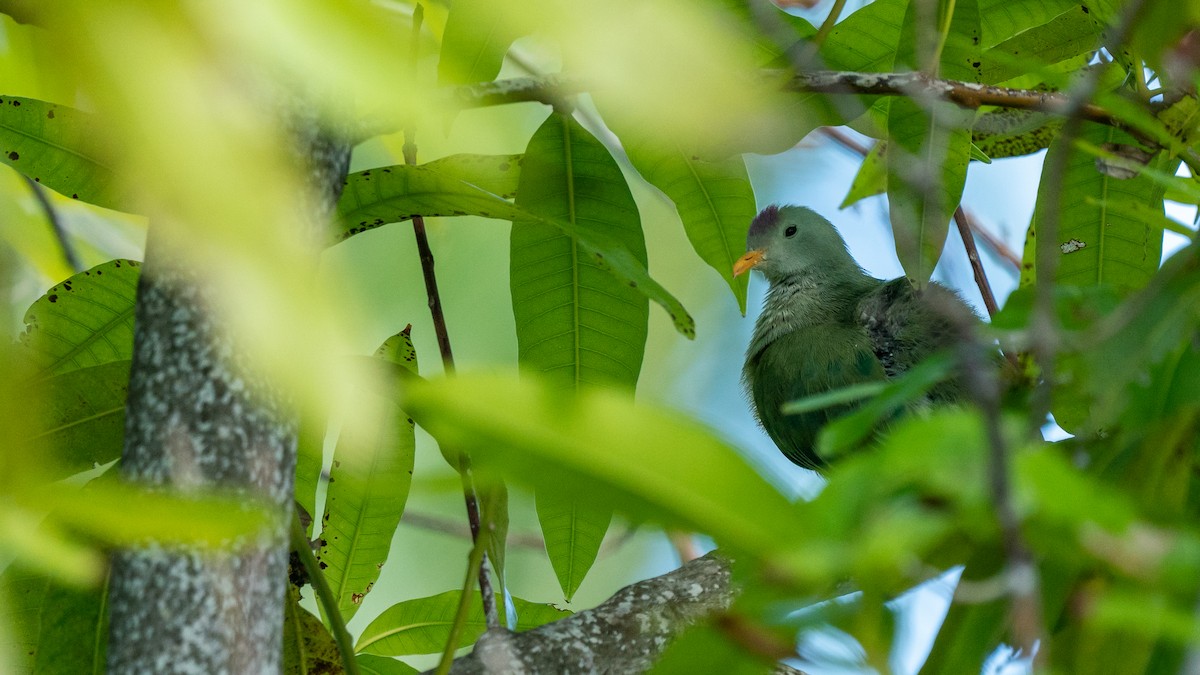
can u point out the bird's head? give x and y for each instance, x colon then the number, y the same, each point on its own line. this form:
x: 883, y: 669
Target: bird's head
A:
x: 790, y: 241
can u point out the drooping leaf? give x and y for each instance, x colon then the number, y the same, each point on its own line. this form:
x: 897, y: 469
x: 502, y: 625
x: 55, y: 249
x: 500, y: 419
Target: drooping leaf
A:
x: 397, y: 193
x: 714, y: 199
x: 308, y: 647
x: 1098, y: 240
x: 367, y: 492
x: 576, y: 324
x: 493, y: 511
x: 646, y: 461
x: 573, y: 527
x: 422, y: 625
x: 929, y: 149
x: 82, y: 417
x: 871, y: 178
x: 55, y: 145
x: 477, y: 36
x: 86, y: 320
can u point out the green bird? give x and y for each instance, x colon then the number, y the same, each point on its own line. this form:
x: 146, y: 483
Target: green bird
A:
x: 826, y: 324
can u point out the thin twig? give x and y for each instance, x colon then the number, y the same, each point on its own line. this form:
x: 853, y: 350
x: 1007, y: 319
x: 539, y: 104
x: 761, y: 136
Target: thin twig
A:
x: 60, y: 233
x: 470, y: 495
x: 985, y: 289
x: 325, y: 596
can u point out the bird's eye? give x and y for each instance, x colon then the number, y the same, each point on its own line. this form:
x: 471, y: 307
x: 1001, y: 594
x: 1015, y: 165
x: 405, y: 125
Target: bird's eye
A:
x: 790, y: 231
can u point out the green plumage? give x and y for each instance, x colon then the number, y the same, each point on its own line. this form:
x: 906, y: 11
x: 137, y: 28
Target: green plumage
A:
x: 826, y: 325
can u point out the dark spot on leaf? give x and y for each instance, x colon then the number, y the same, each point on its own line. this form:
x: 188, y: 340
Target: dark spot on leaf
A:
x: 1085, y: 9
x: 504, y: 166
x: 365, y: 173
x: 633, y: 284
x: 387, y: 170
x: 974, y: 64
x: 99, y: 272
x: 52, y: 298
x: 695, y: 158
x: 323, y: 565
x: 50, y: 113
x: 117, y: 263
x: 75, y: 196
x: 36, y: 179
x: 14, y: 156
x: 66, y: 285
x: 16, y: 104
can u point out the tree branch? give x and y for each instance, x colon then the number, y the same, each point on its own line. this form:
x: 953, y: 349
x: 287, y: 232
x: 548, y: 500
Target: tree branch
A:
x: 625, y: 634
x: 551, y: 88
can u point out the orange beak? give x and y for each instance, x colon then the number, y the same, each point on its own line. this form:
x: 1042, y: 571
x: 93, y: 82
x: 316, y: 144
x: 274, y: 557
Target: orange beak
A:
x: 746, y: 262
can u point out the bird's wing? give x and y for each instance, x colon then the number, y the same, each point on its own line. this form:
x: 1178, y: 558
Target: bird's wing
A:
x: 906, y: 326
x: 808, y: 361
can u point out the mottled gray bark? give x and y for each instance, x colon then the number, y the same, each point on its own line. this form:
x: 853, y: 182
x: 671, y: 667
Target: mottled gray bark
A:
x: 196, y: 419
x: 625, y: 634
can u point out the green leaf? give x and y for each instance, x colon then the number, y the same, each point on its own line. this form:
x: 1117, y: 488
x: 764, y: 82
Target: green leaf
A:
x: 573, y: 526
x: 493, y: 510
x: 74, y: 631
x: 871, y: 178
x: 397, y: 193
x: 714, y: 199
x: 55, y: 145
x: 866, y: 40
x: 477, y: 36
x: 86, y: 320
x: 1000, y: 20
x: 646, y: 461
x: 308, y: 647
x: 929, y: 150
x: 576, y: 324
x: 82, y: 417
x: 368, y: 487
x: 498, y: 174
x: 22, y: 600
x: 422, y: 625
x: 310, y: 457
x: 574, y: 320
x: 1100, y: 241
x: 369, y: 664
x: 1061, y: 38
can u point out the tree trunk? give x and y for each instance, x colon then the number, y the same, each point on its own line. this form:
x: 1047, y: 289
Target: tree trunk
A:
x: 198, y: 420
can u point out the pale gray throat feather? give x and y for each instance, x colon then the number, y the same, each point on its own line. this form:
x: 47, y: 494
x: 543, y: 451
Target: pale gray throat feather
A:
x: 790, y: 304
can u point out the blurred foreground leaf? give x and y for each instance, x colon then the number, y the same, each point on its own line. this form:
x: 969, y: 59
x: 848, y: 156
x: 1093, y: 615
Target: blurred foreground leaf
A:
x: 649, y: 462
x: 422, y: 625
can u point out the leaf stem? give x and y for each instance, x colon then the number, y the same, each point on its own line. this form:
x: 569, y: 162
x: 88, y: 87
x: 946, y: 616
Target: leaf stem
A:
x: 474, y: 567
x: 64, y: 241
x: 316, y: 577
